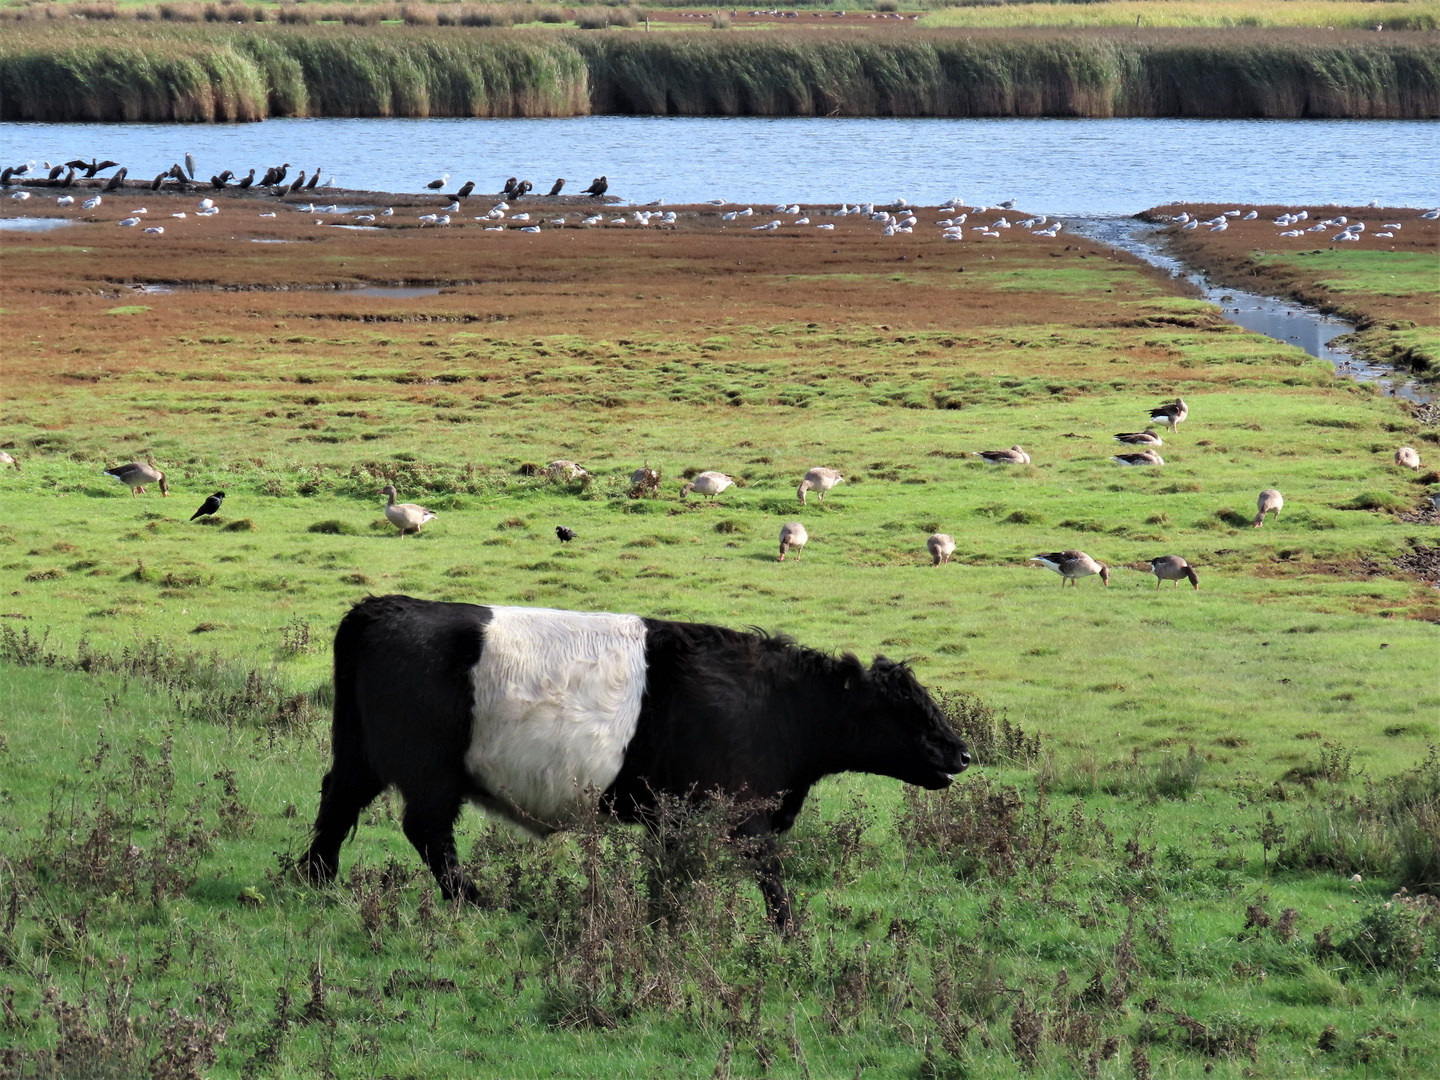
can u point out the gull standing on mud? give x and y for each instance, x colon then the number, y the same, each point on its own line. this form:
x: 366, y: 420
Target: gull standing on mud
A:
x: 819, y: 480
x: 1270, y: 501
x: 1071, y: 565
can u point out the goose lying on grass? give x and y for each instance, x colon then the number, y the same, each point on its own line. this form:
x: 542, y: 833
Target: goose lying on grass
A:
x: 1145, y: 457
x: 405, y: 516
x: 1013, y: 456
x: 1140, y: 438
x: 1071, y: 565
x: 1408, y: 457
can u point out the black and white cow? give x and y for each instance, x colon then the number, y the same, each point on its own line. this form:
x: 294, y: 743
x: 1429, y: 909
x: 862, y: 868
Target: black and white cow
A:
x: 524, y: 710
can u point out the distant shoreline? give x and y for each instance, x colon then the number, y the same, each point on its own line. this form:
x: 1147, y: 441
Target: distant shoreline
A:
x: 147, y: 72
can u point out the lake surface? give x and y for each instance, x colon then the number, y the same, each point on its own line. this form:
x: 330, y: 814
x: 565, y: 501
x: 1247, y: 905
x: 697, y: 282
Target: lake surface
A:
x: 1058, y: 167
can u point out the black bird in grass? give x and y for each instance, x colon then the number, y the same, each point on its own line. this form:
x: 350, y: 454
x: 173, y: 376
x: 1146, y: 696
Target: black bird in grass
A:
x: 209, y: 506
x: 598, y: 187
x: 465, y: 189
x: 565, y: 535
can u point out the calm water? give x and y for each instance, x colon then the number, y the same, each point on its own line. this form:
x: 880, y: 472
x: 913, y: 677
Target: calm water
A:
x: 1064, y: 167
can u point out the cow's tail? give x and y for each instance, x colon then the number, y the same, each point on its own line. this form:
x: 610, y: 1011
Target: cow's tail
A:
x: 351, y: 782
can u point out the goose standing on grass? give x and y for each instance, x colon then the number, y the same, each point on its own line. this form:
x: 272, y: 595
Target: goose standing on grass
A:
x: 707, y: 483
x: 1071, y: 565
x: 405, y: 516
x: 1408, y: 457
x: 941, y: 546
x: 136, y: 476
x: 1270, y: 501
x: 1173, y: 568
x: 819, y: 480
x: 1013, y: 456
x: 1169, y: 413
x: 1140, y: 438
x: 1145, y: 457
x: 794, y: 536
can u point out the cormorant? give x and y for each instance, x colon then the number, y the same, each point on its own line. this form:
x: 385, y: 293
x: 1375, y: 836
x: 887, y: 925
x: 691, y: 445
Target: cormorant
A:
x: 298, y: 184
x: 598, y: 187
x: 56, y: 171
x: 269, y: 176
x: 178, y: 173
x: 509, y: 189
x: 313, y: 181
x: 155, y: 184
x: 8, y: 172
x: 95, y: 167
x: 116, y: 180
x: 558, y: 185
x: 69, y: 178
x: 190, y: 165
x: 465, y: 189
x: 209, y: 506
x: 523, y: 188
x: 565, y: 535
x: 78, y: 163
x: 219, y: 182
x: 247, y: 181
x: 281, y: 173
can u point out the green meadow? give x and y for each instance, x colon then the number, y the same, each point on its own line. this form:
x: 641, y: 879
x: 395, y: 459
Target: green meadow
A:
x: 1149, y: 872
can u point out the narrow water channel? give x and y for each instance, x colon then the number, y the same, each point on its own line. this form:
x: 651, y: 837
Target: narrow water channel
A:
x: 1283, y: 320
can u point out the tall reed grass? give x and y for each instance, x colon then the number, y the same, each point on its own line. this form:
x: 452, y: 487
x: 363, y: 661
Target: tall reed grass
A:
x: 1337, y: 14
x: 112, y: 70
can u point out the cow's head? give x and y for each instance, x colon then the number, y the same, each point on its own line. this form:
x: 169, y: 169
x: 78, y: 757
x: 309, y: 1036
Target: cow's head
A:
x: 906, y: 732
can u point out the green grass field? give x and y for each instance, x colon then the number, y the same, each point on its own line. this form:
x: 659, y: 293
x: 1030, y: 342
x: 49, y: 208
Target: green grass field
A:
x: 1159, y: 887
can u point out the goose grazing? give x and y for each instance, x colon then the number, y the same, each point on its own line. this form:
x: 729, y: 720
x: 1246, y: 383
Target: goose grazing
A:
x: 405, y: 516
x: 1408, y: 457
x: 794, y: 536
x: 819, y: 480
x: 1013, y: 456
x: 136, y: 476
x: 1169, y: 413
x: 1270, y: 501
x: 563, y: 471
x: 941, y: 546
x: 6, y: 458
x: 436, y: 185
x: 1145, y: 457
x: 1140, y: 438
x: 1173, y: 568
x: 707, y: 483
x: 645, y: 481
x: 1071, y: 565
x: 209, y: 506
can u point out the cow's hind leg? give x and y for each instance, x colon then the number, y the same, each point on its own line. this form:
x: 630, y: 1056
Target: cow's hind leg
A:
x: 771, y: 878
x: 347, y: 789
x: 430, y: 825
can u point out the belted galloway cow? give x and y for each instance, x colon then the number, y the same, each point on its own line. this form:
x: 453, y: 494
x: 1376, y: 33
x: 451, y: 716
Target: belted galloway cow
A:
x: 529, y: 712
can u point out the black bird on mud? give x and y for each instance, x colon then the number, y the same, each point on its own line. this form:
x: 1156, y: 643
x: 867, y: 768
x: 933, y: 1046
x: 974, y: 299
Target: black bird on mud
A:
x: 523, y: 188
x: 155, y: 184
x: 565, y: 535
x: 209, y: 506
x: 509, y: 189
x: 98, y: 166
x: 69, y: 179
x: 558, y: 185
x: 5, y: 175
x: 78, y: 163
x: 116, y: 180
x: 178, y: 173
x: 598, y: 187
x: 219, y: 182
x: 56, y: 171
x: 465, y: 189
x: 313, y: 181
x: 436, y: 185
x: 276, y: 175
x: 298, y: 184
x: 244, y: 184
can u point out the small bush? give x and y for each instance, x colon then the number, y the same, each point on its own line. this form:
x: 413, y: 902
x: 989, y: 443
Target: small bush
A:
x: 294, y: 15
x: 887, y: 5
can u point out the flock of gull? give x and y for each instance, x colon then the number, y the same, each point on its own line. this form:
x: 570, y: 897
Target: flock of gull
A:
x: 1350, y: 231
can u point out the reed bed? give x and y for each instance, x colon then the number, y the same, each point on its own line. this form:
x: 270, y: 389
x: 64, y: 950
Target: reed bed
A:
x: 1334, y: 14
x: 161, y: 70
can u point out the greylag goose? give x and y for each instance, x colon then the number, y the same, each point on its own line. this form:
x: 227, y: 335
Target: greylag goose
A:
x: 794, y: 536
x: 1270, y: 501
x: 1071, y: 565
x: 562, y: 471
x: 645, y: 481
x: 1408, y: 456
x: 1170, y: 413
x: 1173, y: 568
x: 135, y: 476
x: 1140, y: 438
x: 707, y: 483
x: 405, y: 516
x: 1013, y: 456
x: 941, y: 547
x: 820, y: 480
x: 209, y: 506
x: 1145, y: 457
x: 8, y: 459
